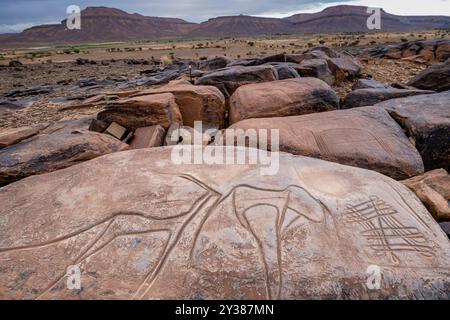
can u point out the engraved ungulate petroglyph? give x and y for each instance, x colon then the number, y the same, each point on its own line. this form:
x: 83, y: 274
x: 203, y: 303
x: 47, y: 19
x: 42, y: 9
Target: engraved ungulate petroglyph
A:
x: 218, y: 232
x: 284, y: 208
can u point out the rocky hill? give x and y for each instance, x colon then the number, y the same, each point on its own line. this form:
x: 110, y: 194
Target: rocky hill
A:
x: 108, y: 24
x: 353, y: 19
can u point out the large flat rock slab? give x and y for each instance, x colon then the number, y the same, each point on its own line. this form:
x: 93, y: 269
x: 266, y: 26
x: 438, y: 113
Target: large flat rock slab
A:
x: 61, y: 145
x: 282, y: 98
x: 426, y: 119
x: 140, y: 229
x: 362, y: 137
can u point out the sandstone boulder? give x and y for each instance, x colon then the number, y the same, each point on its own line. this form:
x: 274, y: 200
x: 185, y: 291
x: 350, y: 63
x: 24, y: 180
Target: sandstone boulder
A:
x: 61, y: 145
x: 196, y: 103
x: 363, y: 137
x: 436, y: 77
x: 433, y: 189
x: 369, y: 97
x: 342, y: 65
x: 213, y: 64
x: 227, y: 80
x: 11, y: 105
x: 282, y: 98
x: 285, y: 70
x: 320, y: 69
x: 426, y: 120
x: 369, y: 84
x: 148, y: 137
x: 256, y: 61
x: 443, y: 50
x: 155, y: 230
x: 143, y: 111
x: 9, y: 137
x: 428, y: 50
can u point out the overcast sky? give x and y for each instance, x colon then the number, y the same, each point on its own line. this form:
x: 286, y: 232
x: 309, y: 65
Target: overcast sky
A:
x: 16, y: 15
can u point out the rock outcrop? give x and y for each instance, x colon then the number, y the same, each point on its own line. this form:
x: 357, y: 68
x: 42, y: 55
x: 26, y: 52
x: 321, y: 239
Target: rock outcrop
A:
x: 363, y: 137
x: 148, y: 137
x: 282, y: 98
x: 422, y: 50
x: 369, y: 97
x: 61, y: 145
x: 196, y: 103
x: 9, y: 137
x: 143, y: 111
x: 436, y: 77
x: 425, y: 119
x: 140, y: 229
x: 227, y: 80
x: 369, y: 84
x: 433, y: 189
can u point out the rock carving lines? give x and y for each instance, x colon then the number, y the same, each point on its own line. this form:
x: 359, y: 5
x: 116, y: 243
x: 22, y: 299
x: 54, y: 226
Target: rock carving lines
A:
x: 279, y: 209
x: 384, y: 233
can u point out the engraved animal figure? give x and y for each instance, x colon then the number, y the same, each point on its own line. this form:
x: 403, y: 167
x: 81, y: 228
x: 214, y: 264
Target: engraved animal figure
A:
x: 267, y: 215
x: 385, y: 234
x: 102, y: 234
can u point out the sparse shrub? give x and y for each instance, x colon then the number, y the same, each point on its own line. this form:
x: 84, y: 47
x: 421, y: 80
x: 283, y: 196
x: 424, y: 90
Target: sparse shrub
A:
x: 166, y: 60
x: 322, y: 42
x: 251, y: 43
x: 203, y: 58
x: 76, y: 50
x: 310, y: 44
x: 404, y: 40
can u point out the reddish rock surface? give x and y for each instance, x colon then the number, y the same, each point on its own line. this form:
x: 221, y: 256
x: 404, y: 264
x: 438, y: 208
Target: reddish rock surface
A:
x: 362, y: 137
x: 282, y: 98
x: 138, y: 227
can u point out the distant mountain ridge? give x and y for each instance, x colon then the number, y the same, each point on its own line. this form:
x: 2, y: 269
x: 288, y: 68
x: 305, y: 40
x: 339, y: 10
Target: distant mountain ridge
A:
x: 347, y: 18
x: 100, y: 24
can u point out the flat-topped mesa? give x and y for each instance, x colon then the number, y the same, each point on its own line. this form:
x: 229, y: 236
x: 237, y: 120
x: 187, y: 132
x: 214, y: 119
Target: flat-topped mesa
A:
x: 137, y: 226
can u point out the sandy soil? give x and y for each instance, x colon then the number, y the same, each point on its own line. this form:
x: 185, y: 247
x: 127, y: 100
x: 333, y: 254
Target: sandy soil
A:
x: 63, y: 73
